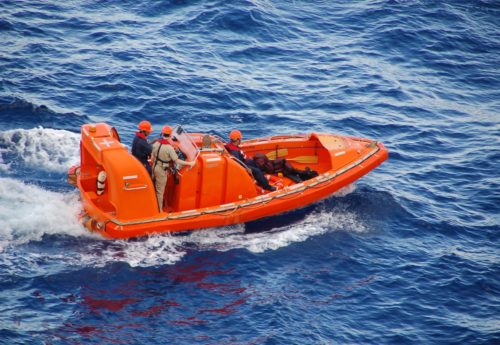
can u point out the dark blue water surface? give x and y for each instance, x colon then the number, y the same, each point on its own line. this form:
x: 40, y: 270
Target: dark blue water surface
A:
x: 409, y: 255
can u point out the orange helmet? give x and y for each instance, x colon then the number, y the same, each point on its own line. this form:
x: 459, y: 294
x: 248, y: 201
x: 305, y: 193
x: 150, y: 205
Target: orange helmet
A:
x: 166, y: 130
x: 235, y: 135
x: 145, y: 126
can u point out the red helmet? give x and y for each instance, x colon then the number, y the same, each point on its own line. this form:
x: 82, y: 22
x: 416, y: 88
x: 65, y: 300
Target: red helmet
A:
x: 235, y: 135
x: 145, y: 126
x: 166, y: 130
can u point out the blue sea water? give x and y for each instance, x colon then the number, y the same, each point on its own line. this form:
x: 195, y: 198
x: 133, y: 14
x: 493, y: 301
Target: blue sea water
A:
x: 408, y: 255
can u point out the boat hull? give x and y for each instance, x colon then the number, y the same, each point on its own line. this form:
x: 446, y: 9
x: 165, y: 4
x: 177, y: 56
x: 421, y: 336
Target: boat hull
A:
x: 366, y: 155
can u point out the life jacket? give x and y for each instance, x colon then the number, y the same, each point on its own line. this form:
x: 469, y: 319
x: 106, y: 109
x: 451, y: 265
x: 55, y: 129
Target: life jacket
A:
x: 166, y: 164
x: 236, y: 152
x: 141, y: 135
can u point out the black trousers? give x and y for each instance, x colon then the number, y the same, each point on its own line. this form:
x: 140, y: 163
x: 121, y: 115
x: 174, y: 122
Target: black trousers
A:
x: 258, y: 175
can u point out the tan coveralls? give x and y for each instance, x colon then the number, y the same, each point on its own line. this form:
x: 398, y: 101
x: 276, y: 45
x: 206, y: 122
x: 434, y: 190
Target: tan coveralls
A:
x: 165, y: 154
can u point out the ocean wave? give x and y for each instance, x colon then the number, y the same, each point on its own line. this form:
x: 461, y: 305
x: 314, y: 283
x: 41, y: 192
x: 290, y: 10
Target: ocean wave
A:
x: 415, y: 241
x: 16, y: 111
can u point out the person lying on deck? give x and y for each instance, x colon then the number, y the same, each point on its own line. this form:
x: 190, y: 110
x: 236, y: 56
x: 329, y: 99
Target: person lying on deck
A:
x: 280, y: 165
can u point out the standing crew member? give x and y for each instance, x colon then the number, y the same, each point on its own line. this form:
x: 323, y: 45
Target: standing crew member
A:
x: 141, y: 148
x: 234, y: 149
x: 162, y: 157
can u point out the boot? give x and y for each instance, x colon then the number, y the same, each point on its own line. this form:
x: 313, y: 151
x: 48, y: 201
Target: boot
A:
x: 269, y: 188
x: 307, y: 174
x: 294, y: 177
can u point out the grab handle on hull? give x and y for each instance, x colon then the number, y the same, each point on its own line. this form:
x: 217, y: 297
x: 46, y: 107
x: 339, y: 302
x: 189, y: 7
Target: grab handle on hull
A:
x: 135, y: 188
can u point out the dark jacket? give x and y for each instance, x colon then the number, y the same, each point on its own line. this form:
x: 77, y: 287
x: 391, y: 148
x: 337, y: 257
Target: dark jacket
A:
x: 236, y: 152
x: 141, y: 149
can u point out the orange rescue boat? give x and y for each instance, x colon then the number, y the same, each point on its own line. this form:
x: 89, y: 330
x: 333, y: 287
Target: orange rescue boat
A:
x: 218, y: 190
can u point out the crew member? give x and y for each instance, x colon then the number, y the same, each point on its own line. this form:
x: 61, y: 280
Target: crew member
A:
x: 233, y: 147
x: 141, y: 148
x: 162, y: 157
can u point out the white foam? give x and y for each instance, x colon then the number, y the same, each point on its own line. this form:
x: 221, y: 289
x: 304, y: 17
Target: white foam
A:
x: 151, y: 251
x: 3, y: 166
x: 345, y: 190
x: 41, y: 148
x: 316, y: 223
x: 167, y: 249
x: 27, y: 212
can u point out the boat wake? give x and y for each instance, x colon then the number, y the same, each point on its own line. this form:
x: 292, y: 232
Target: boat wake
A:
x: 29, y: 212
x: 168, y: 249
x: 48, y: 149
x: 320, y: 221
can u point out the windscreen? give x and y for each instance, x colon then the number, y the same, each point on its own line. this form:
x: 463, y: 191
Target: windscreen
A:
x: 184, y: 141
